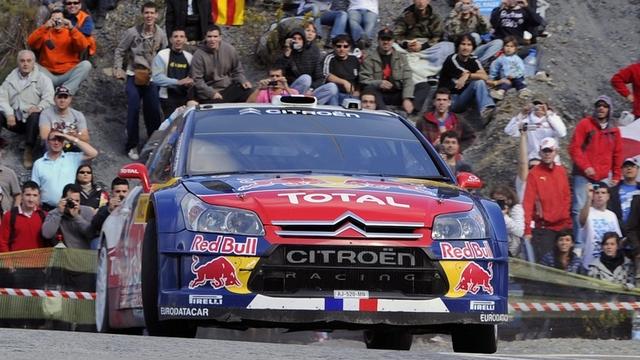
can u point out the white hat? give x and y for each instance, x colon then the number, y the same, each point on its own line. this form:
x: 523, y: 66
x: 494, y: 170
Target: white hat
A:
x: 548, y: 143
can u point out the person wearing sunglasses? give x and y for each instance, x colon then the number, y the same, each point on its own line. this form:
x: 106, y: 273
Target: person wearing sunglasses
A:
x: 93, y: 193
x: 83, y: 22
x: 342, y: 69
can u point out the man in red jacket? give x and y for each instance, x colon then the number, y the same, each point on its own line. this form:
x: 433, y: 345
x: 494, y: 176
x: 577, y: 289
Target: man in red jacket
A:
x: 596, y: 151
x: 23, y: 231
x: 547, y: 200
x: 629, y: 75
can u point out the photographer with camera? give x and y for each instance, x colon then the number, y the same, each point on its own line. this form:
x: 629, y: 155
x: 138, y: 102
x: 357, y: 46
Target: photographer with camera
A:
x: 538, y: 121
x: 119, y: 190
x: 70, y: 219
x: 513, y: 217
x: 275, y: 85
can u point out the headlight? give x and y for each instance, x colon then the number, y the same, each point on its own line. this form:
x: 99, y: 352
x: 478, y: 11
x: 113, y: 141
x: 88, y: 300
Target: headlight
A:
x: 460, y: 226
x: 203, y: 217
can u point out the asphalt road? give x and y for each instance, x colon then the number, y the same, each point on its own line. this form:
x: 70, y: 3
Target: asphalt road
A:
x: 58, y: 345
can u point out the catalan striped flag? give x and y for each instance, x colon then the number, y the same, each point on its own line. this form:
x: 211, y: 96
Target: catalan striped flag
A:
x: 630, y: 139
x: 227, y: 12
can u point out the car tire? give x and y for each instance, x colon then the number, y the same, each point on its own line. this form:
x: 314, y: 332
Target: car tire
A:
x: 155, y: 327
x: 388, y: 339
x: 102, y: 290
x: 475, y: 338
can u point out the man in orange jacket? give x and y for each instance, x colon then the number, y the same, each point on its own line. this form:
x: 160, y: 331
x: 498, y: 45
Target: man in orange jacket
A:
x: 59, y: 45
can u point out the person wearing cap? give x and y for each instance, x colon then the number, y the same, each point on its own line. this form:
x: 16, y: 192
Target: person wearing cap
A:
x: 24, y: 94
x: 624, y: 191
x: 629, y: 75
x: 595, y: 220
x: 538, y: 121
x: 386, y: 72
x: 63, y: 118
x: 596, y: 152
x: 547, y: 201
x: 59, y: 45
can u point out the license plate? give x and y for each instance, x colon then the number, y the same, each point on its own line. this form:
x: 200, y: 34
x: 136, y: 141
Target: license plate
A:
x: 350, y: 294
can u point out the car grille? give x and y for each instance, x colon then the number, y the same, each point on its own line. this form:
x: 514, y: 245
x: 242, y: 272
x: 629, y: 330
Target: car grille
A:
x: 319, y: 270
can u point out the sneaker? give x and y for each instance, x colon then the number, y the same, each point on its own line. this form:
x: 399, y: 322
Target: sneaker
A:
x: 542, y: 76
x: 433, y: 80
x: 487, y: 115
x: 133, y: 154
x: 524, y: 93
x: 497, y: 94
x: 27, y: 158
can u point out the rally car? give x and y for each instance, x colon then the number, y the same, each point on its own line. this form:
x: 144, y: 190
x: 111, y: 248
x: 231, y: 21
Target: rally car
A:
x: 303, y: 217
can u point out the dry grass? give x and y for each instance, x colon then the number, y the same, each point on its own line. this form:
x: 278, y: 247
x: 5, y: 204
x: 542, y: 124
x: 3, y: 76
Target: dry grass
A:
x: 17, y: 20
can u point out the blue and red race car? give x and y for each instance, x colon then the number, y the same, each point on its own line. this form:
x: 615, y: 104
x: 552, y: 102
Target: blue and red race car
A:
x: 303, y: 217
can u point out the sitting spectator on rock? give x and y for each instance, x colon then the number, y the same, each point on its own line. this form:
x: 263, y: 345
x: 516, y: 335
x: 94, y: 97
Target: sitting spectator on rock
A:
x: 507, y: 72
x: 70, y: 219
x: 82, y: 21
x: 93, y: 194
x: 547, y: 201
x: 363, y: 15
x: 466, y: 19
x: 419, y: 31
x: 217, y: 71
x: 21, y: 225
x: 562, y: 256
x: 611, y: 264
x: 368, y: 100
x: 513, y: 216
x: 274, y: 86
x: 342, y: 69
x: 464, y: 76
x: 387, y: 73
x: 59, y: 46
x: 63, y: 118
x: 56, y: 168
x: 433, y: 124
x: 595, y: 220
x: 24, y: 94
x: 119, y: 190
x: 450, y: 152
x: 538, y: 121
x: 622, y: 194
x: 170, y: 71
x: 311, y: 35
x: 331, y: 13
x: 629, y: 75
x: 193, y: 16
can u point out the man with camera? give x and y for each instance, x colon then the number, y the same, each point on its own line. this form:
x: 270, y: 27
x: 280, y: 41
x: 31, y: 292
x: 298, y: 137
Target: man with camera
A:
x: 119, y: 190
x: 56, y: 168
x: 70, y: 219
x: 59, y: 45
x: 274, y: 86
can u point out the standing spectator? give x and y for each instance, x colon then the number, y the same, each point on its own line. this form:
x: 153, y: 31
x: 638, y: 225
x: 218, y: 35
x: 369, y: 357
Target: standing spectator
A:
x: 22, y: 224
x: 546, y: 200
x: 92, y: 194
x: 368, y: 100
x: 171, y: 73
x: 450, y: 152
x: 63, y: 118
x: 274, y: 86
x: 217, y: 72
x: 513, y: 216
x: 624, y: 191
x: 507, y: 72
x: 464, y: 76
x: 562, y: 256
x: 25, y: 92
x: 70, y: 219
x: 363, y: 15
x: 632, y: 231
x: 342, y: 69
x: 59, y: 46
x: 629, y: 75
x: 595, y: 220
x: 141, y: 43
x: 193, y: 16
x: 435, y: 123
x: 119, y: 190
x: 538, y: 121
x: 612, y: 265
x: 387, y: 73
x: 9, y: 186
x: 82, y: 21
x: 596, y: 151
x: 98, y: 9
x: 56, y: 168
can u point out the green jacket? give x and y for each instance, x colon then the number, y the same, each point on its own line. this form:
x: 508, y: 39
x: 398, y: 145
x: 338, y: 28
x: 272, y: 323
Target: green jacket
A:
x: 401, y: 74
x: 411, y: 26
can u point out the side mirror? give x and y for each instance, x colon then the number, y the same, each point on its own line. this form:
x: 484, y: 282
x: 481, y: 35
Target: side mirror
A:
x: 468, y: 180
x: 136, y: 171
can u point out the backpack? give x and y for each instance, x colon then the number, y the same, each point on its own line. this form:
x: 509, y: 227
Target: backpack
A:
x: 270, y: 43
x: 12, y: 223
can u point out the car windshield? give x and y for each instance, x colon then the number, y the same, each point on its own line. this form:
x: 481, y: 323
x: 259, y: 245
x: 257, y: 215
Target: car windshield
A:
x: 363, y: 144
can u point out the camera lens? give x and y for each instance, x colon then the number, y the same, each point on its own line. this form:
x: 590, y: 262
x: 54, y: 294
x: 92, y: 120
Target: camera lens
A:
x: 70, y: 204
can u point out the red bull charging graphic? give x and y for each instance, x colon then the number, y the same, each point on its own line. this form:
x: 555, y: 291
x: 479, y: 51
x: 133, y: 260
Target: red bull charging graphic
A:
x: 474, y: 277
x: 218, y: 272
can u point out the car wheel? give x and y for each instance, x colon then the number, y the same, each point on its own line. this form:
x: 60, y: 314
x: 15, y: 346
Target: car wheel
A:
x: 475, y: 338
x: 102, y: 290
x: 155, y: 327
x: 388, y: 339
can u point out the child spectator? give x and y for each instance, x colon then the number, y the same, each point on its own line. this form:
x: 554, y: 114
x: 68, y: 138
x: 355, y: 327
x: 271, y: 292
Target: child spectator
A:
x: 562, y: 256
x: 513, y: 216
x: 612, y: 265
x: 507, y: 72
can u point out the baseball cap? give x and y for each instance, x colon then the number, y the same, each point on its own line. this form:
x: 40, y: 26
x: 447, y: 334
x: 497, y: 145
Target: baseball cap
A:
x: 61, y: 90
x: 385, y: 33
x: 539, y: 100
x: 548, y: 143
x: 631, y: 160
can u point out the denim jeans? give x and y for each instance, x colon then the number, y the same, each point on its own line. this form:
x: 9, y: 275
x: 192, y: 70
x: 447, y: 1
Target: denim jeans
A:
x: 72, y: 78
x: 476, y: 90
x: 485, y: 52
x: 150, y: 110
x: 326, y: 94
x: 517, y: 83
x: 337, y: 20
x: 361, y: 23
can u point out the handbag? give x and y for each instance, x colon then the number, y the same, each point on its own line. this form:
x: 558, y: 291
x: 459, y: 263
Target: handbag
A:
x: 142, y: 76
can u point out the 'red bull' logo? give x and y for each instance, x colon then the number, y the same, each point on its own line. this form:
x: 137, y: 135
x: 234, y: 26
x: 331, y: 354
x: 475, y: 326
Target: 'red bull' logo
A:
x: 474, y: 277
x: 218, y: 272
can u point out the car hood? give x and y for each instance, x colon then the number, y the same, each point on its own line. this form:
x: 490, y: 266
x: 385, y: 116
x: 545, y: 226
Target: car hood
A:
x: 321, y: 198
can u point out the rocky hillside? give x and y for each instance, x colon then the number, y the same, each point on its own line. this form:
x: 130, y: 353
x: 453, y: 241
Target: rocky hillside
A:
x: 590, y: 41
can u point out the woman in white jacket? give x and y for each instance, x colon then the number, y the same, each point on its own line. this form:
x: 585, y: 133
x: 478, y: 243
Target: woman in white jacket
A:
x: 513, y: 216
